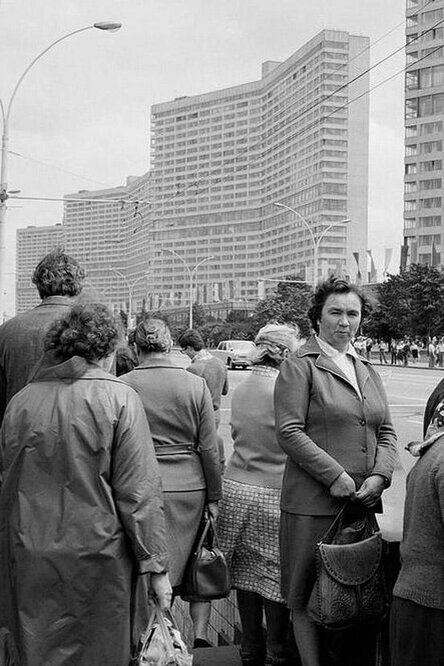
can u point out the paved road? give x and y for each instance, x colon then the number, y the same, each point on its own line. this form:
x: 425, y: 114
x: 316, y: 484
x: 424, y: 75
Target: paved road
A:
x: 408, y: 389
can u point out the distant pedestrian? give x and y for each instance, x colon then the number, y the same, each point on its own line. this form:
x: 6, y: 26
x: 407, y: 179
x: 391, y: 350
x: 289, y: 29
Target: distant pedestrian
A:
x: 381, y: 349
x: 393, y: 352
x: 431, y: 351
x: 440, y: 352
x: 59, y: 279
x: 368, y: 348
x: 414, y: 348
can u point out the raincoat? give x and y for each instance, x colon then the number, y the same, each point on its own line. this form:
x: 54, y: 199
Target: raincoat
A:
x: 81, y: 515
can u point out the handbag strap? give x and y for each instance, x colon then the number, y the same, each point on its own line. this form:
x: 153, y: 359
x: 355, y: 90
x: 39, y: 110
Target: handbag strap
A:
x: 338, y: 521
x: 209, y: 523
x: 336, y: 524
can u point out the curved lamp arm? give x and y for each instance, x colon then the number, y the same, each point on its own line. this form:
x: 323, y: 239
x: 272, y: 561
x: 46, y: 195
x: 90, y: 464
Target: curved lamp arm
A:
x: 301, y: 218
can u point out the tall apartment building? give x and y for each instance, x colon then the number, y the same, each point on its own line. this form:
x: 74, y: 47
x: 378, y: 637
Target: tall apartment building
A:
x: 204, y: 219
x: 220, y: 161
x: 95, y: 233
x: 424, y: 107
x: 32, y: 245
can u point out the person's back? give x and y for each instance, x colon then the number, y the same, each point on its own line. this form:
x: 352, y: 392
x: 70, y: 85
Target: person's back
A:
x: 214, y: 371
x: 58, y: 279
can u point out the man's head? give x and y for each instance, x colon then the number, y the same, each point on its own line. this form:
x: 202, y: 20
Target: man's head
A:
x: 191, y: 342
x: 58, y: 275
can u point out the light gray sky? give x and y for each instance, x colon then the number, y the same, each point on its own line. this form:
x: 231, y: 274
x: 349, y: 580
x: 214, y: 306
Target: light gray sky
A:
x: 81, y: 117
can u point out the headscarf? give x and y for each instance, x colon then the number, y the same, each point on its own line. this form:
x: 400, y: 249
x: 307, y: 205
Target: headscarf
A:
x: 275, y: 341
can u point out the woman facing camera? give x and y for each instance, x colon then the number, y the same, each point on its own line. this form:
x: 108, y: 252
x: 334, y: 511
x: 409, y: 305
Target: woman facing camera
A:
x: 80, y: 502
x: 333, y: 422
x: 180, y: 413
x: 249, y: 514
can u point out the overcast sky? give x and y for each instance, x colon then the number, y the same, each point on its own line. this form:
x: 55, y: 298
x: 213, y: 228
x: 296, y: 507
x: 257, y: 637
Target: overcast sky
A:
x: 81, y: 117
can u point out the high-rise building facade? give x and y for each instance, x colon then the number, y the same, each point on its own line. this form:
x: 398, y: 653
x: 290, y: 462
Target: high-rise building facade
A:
x: 32, y: 245
x: 203, y: 222
x: 424, y: 108
x: 220, y: 161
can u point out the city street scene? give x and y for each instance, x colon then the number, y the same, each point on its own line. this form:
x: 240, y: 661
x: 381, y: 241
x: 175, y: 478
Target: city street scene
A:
x: 222, y: 333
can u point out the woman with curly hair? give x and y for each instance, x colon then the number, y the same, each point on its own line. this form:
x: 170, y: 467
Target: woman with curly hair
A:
x: 180, y: 413
x: 80, y: 503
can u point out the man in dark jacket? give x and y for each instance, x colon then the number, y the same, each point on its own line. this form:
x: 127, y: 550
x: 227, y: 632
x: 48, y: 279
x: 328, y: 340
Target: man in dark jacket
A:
x: 58, y: 279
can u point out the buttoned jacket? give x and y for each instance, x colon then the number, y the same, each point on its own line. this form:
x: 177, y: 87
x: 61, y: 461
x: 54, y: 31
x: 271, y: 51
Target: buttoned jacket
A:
x: 181, y: 418
x: 326, y: 428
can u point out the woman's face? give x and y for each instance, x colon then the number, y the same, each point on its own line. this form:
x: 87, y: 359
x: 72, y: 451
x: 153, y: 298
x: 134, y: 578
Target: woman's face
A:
x: 340, y: 319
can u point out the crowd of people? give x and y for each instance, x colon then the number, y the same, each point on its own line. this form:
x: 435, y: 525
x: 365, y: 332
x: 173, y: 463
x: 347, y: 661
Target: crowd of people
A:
x: 110, y: 458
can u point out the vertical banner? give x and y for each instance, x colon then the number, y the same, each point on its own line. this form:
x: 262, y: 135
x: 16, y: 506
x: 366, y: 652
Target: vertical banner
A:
x: 404, y: 256
x: 387, y: 259
x: 435, y: 253
x: 358, y: 275
x: 372, y: 276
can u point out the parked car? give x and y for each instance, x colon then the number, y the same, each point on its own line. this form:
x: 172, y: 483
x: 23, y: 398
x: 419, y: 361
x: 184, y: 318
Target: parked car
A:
x: 235, y: 353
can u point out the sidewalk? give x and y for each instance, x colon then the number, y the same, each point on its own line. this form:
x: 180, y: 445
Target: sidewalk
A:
x: 422, y: 363
x: 217, y: 656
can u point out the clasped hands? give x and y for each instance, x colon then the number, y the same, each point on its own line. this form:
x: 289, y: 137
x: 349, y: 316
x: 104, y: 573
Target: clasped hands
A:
x: 369, y: 493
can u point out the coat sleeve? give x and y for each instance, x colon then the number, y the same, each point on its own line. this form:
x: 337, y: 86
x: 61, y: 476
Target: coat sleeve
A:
x: 137, y: 487
x: 386, y: 451
x: 208, y: 447
x: 292, y: 399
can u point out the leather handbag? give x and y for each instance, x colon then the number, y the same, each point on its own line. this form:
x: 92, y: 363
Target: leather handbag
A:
x: 207, y: 575
x: 350, y: 587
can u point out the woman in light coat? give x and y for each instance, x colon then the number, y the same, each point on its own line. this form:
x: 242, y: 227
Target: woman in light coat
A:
x: 80, y: 503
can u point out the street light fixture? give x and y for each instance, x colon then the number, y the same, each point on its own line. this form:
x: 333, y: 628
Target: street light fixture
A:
x: 191, y: 273
x: 6, y: 114
x: 130, y: 284
x: 316, y: 242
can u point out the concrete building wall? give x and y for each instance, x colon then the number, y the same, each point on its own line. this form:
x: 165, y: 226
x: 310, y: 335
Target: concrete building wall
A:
x: 33, y: 243
x: 424, y: 134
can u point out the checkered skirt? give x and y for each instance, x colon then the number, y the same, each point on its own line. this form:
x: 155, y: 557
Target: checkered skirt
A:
x: 248, y: 531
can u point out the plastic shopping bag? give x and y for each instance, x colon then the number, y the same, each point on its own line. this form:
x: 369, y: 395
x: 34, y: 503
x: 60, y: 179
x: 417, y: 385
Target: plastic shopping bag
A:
x: 161, y: 643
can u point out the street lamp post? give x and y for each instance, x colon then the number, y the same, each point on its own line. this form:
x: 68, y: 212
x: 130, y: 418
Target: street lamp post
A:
x: 191, y: 273
x: 316, y: 241
x: 130, y: 284
x: 6, y: 114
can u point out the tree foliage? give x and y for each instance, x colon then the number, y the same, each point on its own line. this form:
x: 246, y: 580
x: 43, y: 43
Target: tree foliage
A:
x: 410, y: 304
x: 289, y: 304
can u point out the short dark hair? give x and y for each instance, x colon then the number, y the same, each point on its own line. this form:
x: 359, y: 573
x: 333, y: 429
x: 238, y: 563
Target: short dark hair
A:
x: 89, y: 331
x: 335, y: 285
x: 58, y: 274
x: 191, y: 338
x: 153, y: 335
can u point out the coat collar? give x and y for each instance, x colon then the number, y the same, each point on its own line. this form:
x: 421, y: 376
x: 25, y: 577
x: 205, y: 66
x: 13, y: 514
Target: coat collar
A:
x: 57, y: 300
x: 69, y: 370
x: 160, y: 362
x: 311, y: 348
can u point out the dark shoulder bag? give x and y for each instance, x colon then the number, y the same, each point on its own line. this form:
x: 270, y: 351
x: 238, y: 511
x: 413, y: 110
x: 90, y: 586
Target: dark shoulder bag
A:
x: 350, y: 587
x: 206, y: 576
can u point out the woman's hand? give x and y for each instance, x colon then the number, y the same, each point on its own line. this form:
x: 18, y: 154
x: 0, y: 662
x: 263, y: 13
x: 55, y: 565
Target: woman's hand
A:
x: 161, y: 586
x: 213, y: 510
x: 344, y: 487
x: 371, y: 490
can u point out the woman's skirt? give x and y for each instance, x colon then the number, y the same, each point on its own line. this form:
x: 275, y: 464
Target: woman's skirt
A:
x: 248, y: 530
x: 298, y: 538
x: 183, y: 516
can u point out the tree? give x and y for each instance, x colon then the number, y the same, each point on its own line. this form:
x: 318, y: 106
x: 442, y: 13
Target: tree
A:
x: 410, y: 304
x: 289, y: 304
